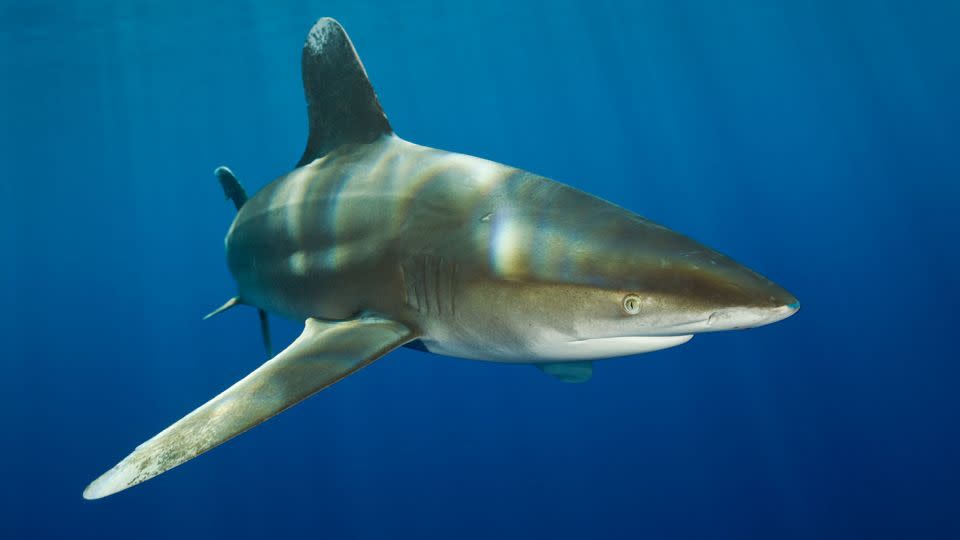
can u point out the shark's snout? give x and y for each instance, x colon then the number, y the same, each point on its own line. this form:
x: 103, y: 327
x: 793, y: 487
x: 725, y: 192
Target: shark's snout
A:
x: 702, y: 290
x: 736, y: 318
x: 758, y: 301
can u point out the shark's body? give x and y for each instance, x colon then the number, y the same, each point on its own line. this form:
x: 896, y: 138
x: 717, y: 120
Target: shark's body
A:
x: 442, y: 242
x: 377, y: 243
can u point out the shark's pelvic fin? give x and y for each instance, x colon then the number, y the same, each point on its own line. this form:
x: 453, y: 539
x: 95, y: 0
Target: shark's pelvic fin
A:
x: 232, y: 188
x: 323, y: 354
x: 341, y: 104
x: 570, y: 372
x: 265, y: 332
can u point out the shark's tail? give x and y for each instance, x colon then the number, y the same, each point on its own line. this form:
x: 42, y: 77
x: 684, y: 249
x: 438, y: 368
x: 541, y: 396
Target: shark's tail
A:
x: 234, y: 191
x: 231, y: 186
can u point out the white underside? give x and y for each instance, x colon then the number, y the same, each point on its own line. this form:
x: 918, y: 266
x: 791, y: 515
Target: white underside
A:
x: 547, y: 351
x: 592, y: 349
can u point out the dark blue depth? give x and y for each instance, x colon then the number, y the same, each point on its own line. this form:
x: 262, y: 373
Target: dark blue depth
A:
x: 816, y: 142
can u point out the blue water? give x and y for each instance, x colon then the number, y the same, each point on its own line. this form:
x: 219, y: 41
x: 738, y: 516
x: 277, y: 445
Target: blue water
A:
x: 817, y: 142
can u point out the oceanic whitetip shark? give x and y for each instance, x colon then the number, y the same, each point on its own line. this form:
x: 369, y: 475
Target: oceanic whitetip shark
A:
x: 376, y: 243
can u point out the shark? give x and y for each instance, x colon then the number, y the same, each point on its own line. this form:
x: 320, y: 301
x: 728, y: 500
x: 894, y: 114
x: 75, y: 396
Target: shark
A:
x: 378, y: 243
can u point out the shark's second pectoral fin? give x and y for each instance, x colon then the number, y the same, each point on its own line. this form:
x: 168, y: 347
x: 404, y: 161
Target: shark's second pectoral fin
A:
x: 323, y: 354
x: 571, y: 372
x: 234, y: 191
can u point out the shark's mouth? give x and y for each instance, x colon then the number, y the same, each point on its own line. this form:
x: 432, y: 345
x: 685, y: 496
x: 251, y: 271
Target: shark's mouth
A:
x: 734, y: 319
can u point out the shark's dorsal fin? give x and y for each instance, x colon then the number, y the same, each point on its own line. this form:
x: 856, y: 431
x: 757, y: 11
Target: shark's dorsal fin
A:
x: 341, y: 104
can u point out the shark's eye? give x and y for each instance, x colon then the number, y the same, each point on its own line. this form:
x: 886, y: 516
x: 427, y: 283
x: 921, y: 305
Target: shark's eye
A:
x: 631, y: 304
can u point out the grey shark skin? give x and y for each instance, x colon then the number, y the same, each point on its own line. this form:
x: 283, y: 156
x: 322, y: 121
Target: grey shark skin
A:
x: 377, y: 243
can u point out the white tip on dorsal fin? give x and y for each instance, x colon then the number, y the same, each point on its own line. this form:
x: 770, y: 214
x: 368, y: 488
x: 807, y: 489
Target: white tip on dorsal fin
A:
x: 341, y: 104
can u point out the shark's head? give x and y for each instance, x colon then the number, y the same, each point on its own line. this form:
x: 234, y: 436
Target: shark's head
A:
x: 683, y: 287
x: 594, y: 280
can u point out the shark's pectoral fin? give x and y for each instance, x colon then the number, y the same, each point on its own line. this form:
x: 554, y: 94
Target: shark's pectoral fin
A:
x: 570, y: 372
x: 323, y: 354
x: 229, y: 304
x: 341, y: 104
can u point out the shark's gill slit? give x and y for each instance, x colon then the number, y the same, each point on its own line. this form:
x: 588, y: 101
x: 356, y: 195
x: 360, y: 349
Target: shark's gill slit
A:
x: 423, y: 269
x: 404, y: 293
x: 438, y: 284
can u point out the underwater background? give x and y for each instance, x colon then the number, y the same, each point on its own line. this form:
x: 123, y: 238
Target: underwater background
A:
x: 817, y: 142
